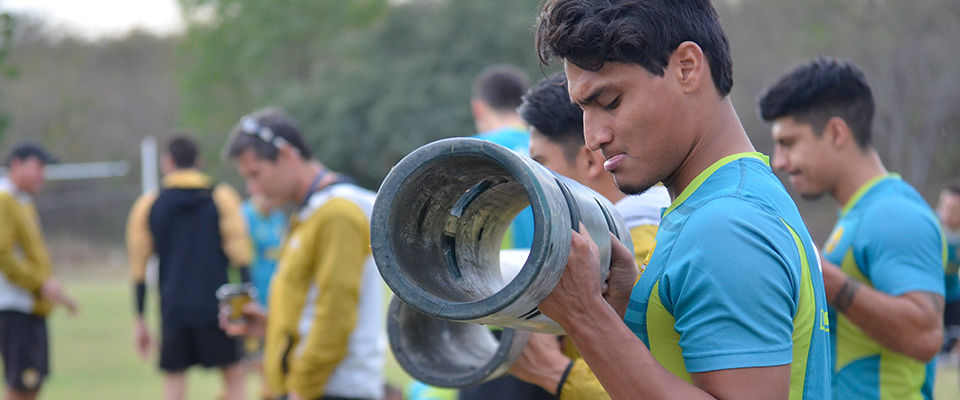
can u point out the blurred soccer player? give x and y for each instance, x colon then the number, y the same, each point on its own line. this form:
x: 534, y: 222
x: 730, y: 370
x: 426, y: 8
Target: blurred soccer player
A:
x: 194, y: 228
x: 28, y: 290
x: 883, y: 263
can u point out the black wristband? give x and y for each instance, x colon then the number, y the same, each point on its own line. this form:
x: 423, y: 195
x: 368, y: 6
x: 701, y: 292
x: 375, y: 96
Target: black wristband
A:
x: 563, y: 378
x: 141, y: 290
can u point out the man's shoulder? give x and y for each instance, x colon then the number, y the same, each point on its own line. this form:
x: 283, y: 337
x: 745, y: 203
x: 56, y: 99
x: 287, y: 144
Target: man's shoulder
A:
x: 339, y: 199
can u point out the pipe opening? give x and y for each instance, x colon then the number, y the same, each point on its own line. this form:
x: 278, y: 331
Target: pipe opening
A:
x: 459, y: 213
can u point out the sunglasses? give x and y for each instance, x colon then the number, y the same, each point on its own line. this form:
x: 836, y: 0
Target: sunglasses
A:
x: 250, y: 126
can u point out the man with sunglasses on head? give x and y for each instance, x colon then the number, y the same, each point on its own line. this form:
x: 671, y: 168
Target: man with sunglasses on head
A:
x: 195, y: 229
x: 325, y: 334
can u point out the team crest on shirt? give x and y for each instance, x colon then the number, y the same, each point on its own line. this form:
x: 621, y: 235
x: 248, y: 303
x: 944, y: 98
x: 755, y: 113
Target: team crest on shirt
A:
x: 30, y: 378
x: 833, y: 240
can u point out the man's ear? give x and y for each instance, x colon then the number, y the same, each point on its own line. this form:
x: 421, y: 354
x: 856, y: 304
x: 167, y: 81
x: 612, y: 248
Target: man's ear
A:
x: 286, y: 150
x: 837, y: 132
x: 688, y: 65
x: 478, y: 107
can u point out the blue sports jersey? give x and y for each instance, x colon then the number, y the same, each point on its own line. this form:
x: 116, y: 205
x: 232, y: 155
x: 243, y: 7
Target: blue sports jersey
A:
x: 734, y: 281
x: 520, y: 233
x: 888, y: 238
x: 266, y: 234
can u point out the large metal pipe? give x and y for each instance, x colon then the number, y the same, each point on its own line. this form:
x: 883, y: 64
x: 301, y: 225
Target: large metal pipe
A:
x: 439, y: 220
x: 449, y: 353
x: 436, y: 231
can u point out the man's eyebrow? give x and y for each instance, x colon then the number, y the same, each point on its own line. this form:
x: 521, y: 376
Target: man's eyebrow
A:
x: 592, y: 98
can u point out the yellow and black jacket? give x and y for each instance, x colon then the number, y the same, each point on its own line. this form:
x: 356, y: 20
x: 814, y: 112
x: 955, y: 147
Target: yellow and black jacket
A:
x: 196, y: 230
x: 24, y: 259
x: 325, y: 333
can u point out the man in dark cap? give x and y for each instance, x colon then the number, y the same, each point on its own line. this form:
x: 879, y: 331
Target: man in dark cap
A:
x: 28, y: 291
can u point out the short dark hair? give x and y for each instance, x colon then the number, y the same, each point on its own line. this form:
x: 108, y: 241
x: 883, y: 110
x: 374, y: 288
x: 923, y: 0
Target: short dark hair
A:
x: 27, y: 149
x: 264, y: 131
x: 818, y: 90
x: 501, y: 86
x: 183, y: 150
x: 547, y: 108
x: 953, y: 186
x: 589, y: 33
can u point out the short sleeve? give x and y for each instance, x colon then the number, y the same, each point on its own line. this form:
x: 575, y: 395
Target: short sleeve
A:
x: 900, y: 248
x: 733, y: 287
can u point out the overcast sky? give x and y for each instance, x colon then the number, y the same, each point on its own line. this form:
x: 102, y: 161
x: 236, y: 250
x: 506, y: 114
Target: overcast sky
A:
x: 98, y: 18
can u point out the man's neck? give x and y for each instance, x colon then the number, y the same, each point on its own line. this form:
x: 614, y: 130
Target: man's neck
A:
x: 306, y: 175
x: 859, y: 169
x: 722, y: 135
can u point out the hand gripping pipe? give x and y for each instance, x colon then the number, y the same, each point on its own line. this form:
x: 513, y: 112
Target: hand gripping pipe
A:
x: 436, y: 232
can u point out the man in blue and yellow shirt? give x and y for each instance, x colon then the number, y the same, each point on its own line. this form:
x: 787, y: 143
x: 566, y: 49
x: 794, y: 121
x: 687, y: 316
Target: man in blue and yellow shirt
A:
x: 730, y: 302
x: 883, y: 263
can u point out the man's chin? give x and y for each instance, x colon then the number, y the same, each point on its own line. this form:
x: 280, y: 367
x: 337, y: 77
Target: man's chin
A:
x: 633, y: 189
x: 811, y: 196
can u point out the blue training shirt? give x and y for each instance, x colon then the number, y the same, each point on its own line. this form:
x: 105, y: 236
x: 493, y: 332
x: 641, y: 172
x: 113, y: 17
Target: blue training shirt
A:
x: 266, y: 234
x: 888, y: 238
x: 734, y: 281
x: 520, y: 233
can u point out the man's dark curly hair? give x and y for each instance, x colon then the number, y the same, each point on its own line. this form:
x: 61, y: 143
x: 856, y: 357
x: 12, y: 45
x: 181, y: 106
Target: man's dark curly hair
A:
x: 547, y: 108
x: 818, y: 90
x: 589, y: 33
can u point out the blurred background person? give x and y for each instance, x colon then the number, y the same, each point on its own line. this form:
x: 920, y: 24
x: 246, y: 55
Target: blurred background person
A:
x: 325, y: 335
x: 267, y: 225
x: 195, y: 229
x: 883, y: 265
x: 28, y: 290
x: 496, y: 96
x: 948, y: 209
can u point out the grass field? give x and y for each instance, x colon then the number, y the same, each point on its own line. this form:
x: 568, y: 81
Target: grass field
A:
x: 93, y: 356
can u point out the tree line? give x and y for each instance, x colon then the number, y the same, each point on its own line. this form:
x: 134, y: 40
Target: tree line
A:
x: 371, y: 80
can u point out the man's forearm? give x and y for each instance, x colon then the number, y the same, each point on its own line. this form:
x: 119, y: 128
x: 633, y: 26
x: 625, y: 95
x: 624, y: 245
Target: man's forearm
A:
x: 626, y: 370
x: 15, y: 272
x: 910, y: 324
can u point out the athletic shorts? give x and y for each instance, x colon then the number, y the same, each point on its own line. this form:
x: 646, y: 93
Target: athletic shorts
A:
x: 23, y: 345
x: 184, y: 346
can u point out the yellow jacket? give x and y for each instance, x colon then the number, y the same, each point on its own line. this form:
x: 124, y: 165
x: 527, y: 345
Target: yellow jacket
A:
x: 24, y: 259
x: 325, y: 330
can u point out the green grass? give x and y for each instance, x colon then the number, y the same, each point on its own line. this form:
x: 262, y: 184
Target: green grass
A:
x: 93, y: 356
